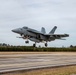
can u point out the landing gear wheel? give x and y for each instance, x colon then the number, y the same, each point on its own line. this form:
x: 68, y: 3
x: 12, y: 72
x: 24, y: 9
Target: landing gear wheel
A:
x: 46, y: 44
x: 26, y: 41
x: 34, y: 45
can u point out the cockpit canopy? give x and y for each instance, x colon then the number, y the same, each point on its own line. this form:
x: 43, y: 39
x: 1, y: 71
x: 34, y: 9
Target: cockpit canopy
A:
x: 25, y: 27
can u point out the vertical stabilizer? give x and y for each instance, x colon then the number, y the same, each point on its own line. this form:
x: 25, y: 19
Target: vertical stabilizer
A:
x: 53, y: 30
x: 43, y: 30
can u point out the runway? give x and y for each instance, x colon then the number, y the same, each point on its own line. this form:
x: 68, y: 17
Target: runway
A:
x: 27, y: 61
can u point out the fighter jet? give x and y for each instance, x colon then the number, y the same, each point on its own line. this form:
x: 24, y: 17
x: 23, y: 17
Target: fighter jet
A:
x: 39, y: 36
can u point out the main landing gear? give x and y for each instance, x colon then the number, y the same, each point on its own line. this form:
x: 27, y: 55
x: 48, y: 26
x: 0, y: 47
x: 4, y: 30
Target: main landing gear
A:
x: 34, y: 45
x: 46, y: 44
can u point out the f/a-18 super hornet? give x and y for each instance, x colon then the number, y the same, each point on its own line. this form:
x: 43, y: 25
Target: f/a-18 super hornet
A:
x: 38, y: 36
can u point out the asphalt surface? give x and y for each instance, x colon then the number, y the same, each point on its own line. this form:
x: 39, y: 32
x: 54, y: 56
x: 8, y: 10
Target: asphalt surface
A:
x: 15, y: 62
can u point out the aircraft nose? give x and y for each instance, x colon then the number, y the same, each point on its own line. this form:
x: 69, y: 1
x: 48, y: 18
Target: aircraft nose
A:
x: 14, y: 30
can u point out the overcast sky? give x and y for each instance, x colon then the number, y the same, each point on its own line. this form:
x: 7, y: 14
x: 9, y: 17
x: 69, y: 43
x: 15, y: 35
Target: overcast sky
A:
x: 36, y: 14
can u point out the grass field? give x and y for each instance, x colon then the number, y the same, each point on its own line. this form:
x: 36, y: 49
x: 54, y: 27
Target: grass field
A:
x: 35, y: 49
x: 70, y: 70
